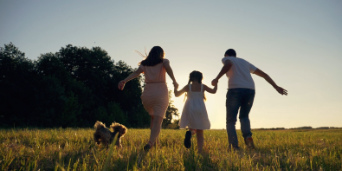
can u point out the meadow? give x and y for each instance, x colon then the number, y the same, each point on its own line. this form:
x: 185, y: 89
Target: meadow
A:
x: 74, y: 149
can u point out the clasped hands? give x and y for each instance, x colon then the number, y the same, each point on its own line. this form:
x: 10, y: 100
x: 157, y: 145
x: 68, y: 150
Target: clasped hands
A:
x: 175, y: 85
x: 214, y: 82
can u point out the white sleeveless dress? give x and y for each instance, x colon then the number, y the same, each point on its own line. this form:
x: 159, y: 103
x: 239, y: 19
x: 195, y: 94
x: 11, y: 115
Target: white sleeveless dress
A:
x: 194, y: 115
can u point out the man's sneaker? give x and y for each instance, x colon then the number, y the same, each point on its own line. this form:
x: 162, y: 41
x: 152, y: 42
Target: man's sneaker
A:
x: 233, y: 148
x: 249, y: 142
x: 187, y: 139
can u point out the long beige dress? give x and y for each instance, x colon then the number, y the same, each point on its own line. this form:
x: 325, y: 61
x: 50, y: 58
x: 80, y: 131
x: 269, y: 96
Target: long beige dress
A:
x: 155, y: 97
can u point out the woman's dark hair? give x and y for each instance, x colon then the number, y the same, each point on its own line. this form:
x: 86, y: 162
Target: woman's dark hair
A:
x: 195, y: 76
x: 230, y: 52
x: 155, y: 57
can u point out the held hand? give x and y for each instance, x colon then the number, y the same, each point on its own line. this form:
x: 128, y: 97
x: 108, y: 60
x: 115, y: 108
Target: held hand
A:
x: 281, y: 91
x: 121, y: 85
x: 214, y: 82
x: 175, y: 85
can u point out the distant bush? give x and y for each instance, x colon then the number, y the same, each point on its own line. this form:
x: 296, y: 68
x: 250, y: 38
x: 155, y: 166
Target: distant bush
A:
x: 303, y: 127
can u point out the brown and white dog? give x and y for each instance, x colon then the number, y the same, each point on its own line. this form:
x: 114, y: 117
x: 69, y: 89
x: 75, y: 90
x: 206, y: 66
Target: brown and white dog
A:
x: 106, y: 136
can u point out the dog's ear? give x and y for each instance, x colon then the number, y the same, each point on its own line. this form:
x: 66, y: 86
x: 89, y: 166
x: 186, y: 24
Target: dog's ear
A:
x: 123, y: 130
x: 118, y: 127
x: 99, y: 124
x: 113, y: 125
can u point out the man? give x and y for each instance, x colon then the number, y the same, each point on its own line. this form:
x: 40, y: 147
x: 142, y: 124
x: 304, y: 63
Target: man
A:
x: 240, y: 95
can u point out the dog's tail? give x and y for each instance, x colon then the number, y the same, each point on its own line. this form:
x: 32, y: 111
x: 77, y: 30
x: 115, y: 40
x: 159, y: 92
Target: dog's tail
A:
x: 99, y: 125
x: 116, y: 127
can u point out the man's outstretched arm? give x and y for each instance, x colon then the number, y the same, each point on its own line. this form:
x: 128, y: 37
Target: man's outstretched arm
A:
x: 226, y: 67
x: 269, y: 80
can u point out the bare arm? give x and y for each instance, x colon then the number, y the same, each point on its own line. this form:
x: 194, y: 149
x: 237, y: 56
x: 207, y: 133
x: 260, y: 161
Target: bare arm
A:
x: 169, y: 71
x: 210, y: 90
x: 226, y: 67
x: 260, y: 73
x: 130, y: 77
x: 183, y: 90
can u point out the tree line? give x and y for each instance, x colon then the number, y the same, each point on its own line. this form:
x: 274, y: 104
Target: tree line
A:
x: 73, y: 87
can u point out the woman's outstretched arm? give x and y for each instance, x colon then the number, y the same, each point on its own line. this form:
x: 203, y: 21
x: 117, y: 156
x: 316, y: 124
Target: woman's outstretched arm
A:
x: 130, y: 77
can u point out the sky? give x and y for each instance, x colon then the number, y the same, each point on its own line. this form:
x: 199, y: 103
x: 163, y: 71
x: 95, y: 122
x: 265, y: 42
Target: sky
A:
x: 297, y: 43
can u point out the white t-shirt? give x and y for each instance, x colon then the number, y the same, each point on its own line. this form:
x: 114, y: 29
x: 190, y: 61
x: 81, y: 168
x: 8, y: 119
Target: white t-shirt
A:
x: 240, y: 73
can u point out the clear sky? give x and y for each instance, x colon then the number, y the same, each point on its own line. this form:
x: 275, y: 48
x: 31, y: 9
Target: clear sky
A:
x: 298, y: 43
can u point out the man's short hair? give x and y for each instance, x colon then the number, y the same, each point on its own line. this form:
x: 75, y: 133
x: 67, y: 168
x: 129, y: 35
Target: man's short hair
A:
x: 230, y: 52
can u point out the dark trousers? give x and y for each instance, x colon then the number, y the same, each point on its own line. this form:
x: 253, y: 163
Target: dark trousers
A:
x: 238, y: 99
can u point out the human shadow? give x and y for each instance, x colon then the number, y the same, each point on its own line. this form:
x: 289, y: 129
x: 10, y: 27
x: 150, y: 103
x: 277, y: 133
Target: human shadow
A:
x: 198, y: 161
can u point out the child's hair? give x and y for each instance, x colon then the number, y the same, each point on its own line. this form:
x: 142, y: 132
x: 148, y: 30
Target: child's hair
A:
x: 196, y: 76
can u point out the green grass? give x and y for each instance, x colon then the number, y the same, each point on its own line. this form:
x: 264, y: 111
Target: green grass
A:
x: 74, y: 149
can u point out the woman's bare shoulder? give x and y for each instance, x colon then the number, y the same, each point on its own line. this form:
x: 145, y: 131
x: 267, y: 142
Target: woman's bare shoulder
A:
x: 166, y: 60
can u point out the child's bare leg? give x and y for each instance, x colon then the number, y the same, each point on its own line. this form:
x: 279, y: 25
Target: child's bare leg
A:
x: 200, y: 140
x: 156, y: 123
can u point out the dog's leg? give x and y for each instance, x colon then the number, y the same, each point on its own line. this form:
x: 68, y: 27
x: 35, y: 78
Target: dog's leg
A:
x: 97, y: 139
x: 118, y: 142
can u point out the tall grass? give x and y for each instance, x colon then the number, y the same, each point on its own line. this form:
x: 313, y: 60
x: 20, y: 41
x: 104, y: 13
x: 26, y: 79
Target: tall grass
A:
x: 74, y: 149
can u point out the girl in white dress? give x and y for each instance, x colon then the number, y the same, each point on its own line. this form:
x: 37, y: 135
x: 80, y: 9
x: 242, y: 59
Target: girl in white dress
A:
x: 194, y: 115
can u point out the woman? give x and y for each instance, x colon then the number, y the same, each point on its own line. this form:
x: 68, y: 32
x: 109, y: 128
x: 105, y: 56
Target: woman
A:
x: 155, y: 97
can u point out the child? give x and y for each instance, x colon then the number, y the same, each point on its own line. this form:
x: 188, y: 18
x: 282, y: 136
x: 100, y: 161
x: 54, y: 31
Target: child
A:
x: 194, y: 115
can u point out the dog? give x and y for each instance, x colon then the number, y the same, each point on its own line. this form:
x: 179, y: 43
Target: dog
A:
x: 106, y: 136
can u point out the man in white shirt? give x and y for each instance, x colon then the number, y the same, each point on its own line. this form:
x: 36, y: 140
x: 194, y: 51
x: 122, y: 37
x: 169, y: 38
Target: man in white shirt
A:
x: 240, y: 95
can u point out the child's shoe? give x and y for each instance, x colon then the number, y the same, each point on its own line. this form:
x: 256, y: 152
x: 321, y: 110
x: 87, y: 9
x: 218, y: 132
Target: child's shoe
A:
x: 187, y: 140
x: 147, y: 147
x: 249, y: 142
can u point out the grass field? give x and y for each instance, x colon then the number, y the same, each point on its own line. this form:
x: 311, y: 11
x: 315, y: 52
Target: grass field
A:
x: 74, y: 149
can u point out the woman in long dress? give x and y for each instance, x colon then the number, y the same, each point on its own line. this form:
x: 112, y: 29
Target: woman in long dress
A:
x: 155, y: 97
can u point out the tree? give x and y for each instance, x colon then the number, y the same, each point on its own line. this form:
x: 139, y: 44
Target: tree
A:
x: 73, y: 87
x: 18, y: 81
x: 129, y: 99
x: 97, y: 72
x: 170, y: 113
